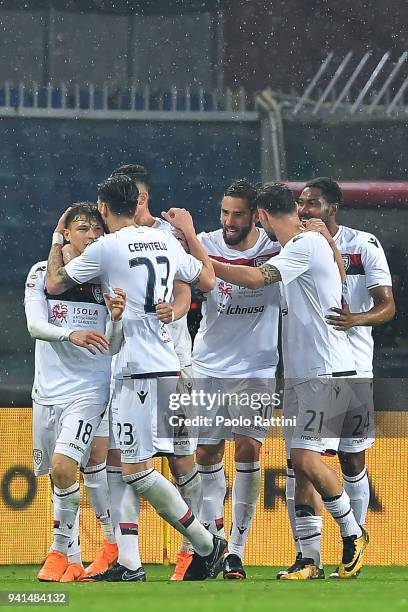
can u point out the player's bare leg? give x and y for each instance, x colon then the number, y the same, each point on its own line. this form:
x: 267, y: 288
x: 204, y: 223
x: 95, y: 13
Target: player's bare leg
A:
x: 245, y: 493
x: 66, y: 507
x: 308, y: 464
x: 188, y: 481
x: 96, y: 482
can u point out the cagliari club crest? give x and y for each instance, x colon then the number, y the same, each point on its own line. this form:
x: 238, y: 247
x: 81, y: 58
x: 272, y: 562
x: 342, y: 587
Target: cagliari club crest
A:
x: 259, y: 261
x: 97, y: 293
x: 37, y: 456
x: 346, y: 260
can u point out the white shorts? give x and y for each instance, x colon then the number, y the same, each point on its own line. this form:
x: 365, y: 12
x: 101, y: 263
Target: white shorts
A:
x: 142, y: 425
x: 234, y: 416
x: 113, y: 415
x: 332, y: 414
x: 67, y: 429
x: 185, y: 438
x: 360, y: 418
x: 103, y: 428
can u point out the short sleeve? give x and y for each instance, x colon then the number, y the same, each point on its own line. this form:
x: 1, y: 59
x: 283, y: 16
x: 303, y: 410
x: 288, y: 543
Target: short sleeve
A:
x: 87, y: 266
x: 188, y: 267
x: 294, y: 259
x: 377, y: 272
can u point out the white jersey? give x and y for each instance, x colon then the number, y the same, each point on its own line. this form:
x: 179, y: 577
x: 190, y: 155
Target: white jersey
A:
x: 311, y: 287
x: 64, y: 371
x: 238, y: 333
x: 143, y: 261
x: 366, y: 268
x: 179, y: 329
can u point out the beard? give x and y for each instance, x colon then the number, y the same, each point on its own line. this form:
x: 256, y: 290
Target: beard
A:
x: 238, y: 237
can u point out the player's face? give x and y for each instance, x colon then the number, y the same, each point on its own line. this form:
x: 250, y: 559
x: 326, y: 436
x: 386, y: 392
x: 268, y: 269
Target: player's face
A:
x: 312, y: 205
x: 83, y: 231
x: 237, y: 220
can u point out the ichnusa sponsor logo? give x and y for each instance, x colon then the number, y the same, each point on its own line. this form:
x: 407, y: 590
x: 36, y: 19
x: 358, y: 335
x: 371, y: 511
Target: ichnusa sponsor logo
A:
x: 243, y: 310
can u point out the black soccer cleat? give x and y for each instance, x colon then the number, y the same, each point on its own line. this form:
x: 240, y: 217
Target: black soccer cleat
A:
x: 200, y: 568
x: 120, y: 573
x: 215, y: 570
x: 232, y: 568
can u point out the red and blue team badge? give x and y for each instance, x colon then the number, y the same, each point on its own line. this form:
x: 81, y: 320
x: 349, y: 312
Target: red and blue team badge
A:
x: 59, y: 312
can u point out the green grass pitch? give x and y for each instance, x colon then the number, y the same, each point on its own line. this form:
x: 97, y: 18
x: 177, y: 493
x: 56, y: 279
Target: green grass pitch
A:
x: 377, y: 588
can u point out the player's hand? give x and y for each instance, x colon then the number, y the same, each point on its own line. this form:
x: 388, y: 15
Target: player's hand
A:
x: 345, y: 319
x: 61, y: 221
x: 68, y: 253
x: 317, y: 225
x: 181, y: 238
x: 116, y: 303
x: 92, y: 341
x: 165, y: 312
x: 179, y: 218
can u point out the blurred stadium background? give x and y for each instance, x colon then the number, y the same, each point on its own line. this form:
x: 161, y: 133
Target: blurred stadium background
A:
x: 200, y: 92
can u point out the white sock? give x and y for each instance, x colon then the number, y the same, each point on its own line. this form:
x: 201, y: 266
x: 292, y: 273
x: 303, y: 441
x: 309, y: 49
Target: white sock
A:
x: 191, y: 490
x: 125, y: 508
x: 340, y: 509
x: 290, y: 504
x: 214, y: 491
x: 117, y: 489
x: 127, y: 530
x: 358, y: 489
x: 66, y: 504
x: 96, y: 482
x: 309, y: 529
x: 169, y: 504
x: 245, y: 492
x: 74, y: 547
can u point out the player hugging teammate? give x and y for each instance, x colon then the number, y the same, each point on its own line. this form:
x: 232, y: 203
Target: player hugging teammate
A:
x: 139, y: 272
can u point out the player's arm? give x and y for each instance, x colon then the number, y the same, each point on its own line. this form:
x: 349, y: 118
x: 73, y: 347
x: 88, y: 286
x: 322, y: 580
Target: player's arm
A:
x: 253, y: 278
x: 167, y: 312
x: 57, y: 279
x: 39, y: 328
x: 317, y: 225
x: 382, y: 311
x: 181, y: 219
x: 116, y: 303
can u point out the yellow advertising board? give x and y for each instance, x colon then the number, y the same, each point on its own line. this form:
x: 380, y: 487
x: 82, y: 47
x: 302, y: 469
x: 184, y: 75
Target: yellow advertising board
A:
x: 26, y: 511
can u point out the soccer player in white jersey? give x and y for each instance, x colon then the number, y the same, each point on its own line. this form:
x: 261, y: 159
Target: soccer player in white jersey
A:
x: 144, y: 262
x: 69, y: 393
x: 182, y: 463
x: 235, y: 350
x: 369, y: 302
x: 317, y: 358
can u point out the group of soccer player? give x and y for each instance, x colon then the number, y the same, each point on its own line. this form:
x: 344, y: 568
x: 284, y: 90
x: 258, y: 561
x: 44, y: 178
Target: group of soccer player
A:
x: 109, y: 315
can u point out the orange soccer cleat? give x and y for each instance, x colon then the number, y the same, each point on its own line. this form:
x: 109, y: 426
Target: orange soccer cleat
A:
x: 183, y: 561
x: 54, y: 567
x: 105, y: 557
x: 73, y: 573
